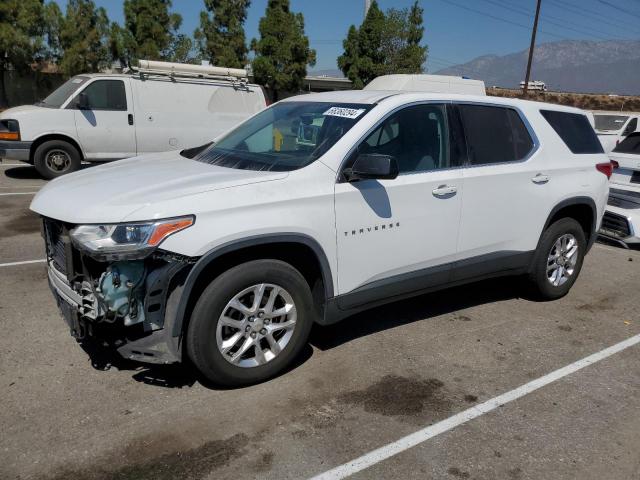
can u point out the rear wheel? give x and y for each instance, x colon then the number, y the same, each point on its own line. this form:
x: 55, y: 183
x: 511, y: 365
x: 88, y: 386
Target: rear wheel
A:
x: 55, y: 158
x: 558, y: 260
x: 250, y: 323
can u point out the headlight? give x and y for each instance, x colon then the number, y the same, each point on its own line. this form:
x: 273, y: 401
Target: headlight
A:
x: 9, y: 130
x: 126, y: 240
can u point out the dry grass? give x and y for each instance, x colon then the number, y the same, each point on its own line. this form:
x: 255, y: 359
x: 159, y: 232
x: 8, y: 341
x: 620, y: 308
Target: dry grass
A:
x: 581, y: 100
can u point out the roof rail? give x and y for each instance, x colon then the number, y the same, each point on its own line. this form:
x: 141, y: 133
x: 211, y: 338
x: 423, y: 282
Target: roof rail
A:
x: 236, y: 76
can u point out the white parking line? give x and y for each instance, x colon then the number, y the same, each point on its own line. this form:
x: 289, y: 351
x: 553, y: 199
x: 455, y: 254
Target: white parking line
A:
x: 26, y: 262
x: 405, y: 443
x: 17, y: 193
x: 13, y: 164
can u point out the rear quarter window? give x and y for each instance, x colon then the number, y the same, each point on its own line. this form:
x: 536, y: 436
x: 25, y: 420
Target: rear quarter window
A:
x: 575, y: 131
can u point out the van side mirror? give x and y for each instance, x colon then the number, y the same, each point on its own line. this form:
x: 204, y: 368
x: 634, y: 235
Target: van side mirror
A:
x: 372, y: 166
x: 82, y: 101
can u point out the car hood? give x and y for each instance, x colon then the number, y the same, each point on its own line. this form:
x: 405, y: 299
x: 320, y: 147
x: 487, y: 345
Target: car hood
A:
x: 11, y: 112
x: 114, y: 192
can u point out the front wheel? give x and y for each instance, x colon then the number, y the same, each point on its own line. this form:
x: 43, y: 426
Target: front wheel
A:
x: 558, y: 259
x: 250, y: 323
x: 55, y: 158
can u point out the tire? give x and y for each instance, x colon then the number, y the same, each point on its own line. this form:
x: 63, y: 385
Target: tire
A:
x: 549, y: 279
x: 55, y: 158
x: 207, y: 329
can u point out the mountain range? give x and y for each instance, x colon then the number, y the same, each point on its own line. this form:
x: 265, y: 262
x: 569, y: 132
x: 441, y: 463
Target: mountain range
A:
x: 581, y: 66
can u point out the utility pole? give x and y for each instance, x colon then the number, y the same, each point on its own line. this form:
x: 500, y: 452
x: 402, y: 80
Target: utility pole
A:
x: 525, y: 90
x: 367, y: 4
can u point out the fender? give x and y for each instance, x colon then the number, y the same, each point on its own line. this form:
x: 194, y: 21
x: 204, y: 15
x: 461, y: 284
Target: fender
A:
x: 252, y: 241
x: 43, y: 137
x: 577, y: 201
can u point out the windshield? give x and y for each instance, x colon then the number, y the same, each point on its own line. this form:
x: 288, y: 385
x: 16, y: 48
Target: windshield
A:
x: 62, y: 93
x: 287, y: 136
x: 610, y: 123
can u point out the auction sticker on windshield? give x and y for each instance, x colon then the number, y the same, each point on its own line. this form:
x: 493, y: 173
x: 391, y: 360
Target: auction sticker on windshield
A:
x: 344, y: 112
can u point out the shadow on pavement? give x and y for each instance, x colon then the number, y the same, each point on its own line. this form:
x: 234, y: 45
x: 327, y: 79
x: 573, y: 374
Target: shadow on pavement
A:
x: 167, y: 376
x: 26, y: 172
x: 29, y: 172
x: 325, y: 338
x: 414, y: 309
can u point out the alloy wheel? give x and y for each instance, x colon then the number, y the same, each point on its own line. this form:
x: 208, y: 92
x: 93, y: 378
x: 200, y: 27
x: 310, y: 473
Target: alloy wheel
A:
x: 256, y: 325
x: 562, y: 259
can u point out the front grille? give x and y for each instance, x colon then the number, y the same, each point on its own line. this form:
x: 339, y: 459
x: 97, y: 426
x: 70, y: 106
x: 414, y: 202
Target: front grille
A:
x: 615, y: 225
x: 54, y: 237
x: 635, y: 178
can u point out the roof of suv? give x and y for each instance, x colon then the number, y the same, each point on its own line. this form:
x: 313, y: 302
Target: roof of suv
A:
x: 377, y: 96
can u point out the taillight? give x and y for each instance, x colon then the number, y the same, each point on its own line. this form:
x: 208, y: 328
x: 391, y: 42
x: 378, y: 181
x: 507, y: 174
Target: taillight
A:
x: 9, y: 130
x: 606, y: 168
x: 614, y: 165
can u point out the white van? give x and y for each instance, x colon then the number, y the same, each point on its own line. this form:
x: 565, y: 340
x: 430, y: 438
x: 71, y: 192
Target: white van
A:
x: 613, y: 127
x: 428, y: 83
x: 101, y: 117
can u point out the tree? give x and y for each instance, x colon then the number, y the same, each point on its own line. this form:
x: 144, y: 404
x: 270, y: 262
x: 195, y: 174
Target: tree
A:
x: 150, y: 32
x: 385, y: 43
x: 84, y: 36
x: 282, y: 53
x: 22, y: 38
x: 349, y: 61
x: 220, y: 37
x: 362, y: 48
x: 415, y: 53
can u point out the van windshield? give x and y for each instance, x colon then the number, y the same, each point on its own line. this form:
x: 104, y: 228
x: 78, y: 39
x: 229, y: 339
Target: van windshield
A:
x: 285, y: 137
x: 610, y: 123
x: 63, y: 92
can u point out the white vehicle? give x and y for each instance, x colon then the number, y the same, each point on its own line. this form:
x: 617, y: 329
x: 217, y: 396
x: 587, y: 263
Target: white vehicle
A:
x: 427, y: 83
x: 228, y: 253
x: 621, y: 221
x: 101, y: 117
x: 613, y: 127
x: 535, y: 85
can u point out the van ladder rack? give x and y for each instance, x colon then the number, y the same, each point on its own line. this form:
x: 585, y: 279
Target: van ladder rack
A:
x: 237, y: 83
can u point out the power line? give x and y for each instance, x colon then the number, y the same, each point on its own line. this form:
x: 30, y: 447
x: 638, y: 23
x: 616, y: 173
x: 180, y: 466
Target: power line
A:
x: 598, y: 15
x: 479, y: 12
x: 552, y: 21
x: 623, y: 10
x: 576, y: 10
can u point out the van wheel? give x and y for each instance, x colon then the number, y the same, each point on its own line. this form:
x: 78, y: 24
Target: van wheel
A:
x: 250, y: 323
x: 558, y: 259
x: 55, y: 158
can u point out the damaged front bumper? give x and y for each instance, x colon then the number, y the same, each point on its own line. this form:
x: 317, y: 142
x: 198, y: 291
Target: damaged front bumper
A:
x: 129, y: 307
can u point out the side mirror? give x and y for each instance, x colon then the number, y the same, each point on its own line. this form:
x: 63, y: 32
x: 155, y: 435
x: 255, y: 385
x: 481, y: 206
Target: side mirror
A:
x: 82, y: 101
x: 372, y: 166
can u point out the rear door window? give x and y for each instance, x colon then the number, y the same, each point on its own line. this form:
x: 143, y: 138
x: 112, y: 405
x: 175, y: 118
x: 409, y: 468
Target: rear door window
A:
x: 575, y: 131
x: 494, y: 134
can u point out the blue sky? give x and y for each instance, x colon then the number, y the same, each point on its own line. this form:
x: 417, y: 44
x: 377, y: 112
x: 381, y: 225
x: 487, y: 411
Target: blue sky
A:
x: 455, y: 30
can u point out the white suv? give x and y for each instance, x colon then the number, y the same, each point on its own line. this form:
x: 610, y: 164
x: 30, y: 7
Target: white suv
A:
x: 318, y: 207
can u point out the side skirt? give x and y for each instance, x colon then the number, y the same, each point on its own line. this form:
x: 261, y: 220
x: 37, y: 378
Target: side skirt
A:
x: 431, y: 279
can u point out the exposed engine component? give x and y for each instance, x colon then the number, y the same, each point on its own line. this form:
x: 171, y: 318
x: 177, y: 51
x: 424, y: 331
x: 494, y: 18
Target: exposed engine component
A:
x: 118, y: 293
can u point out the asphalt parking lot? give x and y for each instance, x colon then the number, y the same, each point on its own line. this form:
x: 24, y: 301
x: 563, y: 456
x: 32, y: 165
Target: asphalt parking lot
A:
x: 363, y: 385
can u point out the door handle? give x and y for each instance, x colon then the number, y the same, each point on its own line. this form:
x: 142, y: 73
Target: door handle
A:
x: 130, y: 118
x: 445, y: 191
x: 540, y: 179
